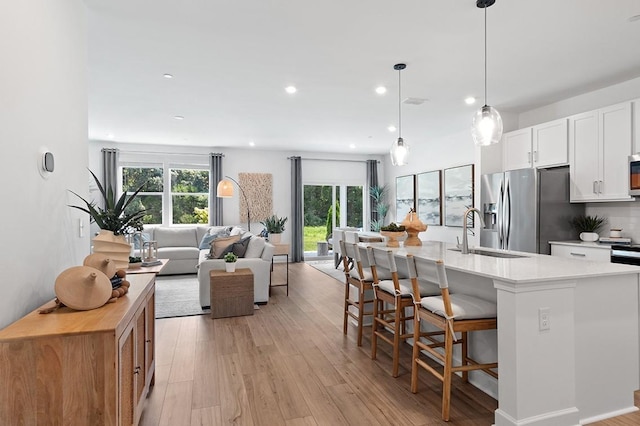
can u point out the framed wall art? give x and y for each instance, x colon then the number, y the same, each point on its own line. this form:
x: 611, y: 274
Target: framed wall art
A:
x: 429, y: 201
x: 405, y: 196
x: 458, y: 194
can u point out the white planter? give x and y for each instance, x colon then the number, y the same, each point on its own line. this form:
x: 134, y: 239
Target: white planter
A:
x: 589, y: 236
x: 230, y: 266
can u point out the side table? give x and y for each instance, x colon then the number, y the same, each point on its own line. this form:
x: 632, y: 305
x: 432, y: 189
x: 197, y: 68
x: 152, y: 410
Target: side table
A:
x: 231, y: 293
x: 280, y: 250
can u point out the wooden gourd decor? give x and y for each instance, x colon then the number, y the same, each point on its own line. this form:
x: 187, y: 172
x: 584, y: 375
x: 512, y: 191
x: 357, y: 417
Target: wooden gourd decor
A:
x: 83, y: 288
x: 413, y: 225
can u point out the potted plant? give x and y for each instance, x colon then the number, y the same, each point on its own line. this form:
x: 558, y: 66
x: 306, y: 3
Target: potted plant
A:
x: 135, y: 262
x: 274, y: 226
x: 230, y: 260
x: 114, y: 220
x: 380, y: 206
x: 588, y: 226
x: 392, y: 232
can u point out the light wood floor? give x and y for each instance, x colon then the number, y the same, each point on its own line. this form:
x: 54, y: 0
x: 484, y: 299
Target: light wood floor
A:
x: 289, y: 364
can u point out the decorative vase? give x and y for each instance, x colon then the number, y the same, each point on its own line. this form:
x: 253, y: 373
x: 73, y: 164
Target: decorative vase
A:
x: 230, y: 266
x: 413, y: 225
x: 275, y: 238
x: 392, y: 237
x: 113, y: 246
x: 589, y: 237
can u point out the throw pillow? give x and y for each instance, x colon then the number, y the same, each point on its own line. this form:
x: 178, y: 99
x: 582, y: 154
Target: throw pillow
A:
x: 238, y: 248
x: 206, y: 240
x: 218, y: 245
x: 256, y: 247
x: 236, y: 230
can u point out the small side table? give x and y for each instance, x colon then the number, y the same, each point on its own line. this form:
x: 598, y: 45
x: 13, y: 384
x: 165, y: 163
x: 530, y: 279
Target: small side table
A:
x: 231, y: 293
x: 280, y: 250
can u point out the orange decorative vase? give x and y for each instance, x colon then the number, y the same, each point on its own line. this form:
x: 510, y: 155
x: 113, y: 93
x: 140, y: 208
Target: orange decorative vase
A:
x: 413, y: 225
x: 115, y: 247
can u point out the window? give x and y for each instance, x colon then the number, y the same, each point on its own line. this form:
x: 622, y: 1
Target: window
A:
x: 190, y: 196
x: 151, y: 195
x: 171, y: 195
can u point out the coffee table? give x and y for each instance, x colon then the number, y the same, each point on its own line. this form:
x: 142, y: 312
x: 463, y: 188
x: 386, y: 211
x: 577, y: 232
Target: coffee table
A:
x: 155, y: 269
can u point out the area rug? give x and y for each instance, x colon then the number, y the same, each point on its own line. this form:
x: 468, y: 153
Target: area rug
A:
x: 328, y: 267
x: 178, y: 296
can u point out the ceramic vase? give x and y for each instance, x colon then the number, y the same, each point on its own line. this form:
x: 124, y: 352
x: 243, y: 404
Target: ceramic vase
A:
x: 275, y: 238
x: 115, y: 247
x: 589, y: 236
x: 392, y: 237
x: 230, y: 266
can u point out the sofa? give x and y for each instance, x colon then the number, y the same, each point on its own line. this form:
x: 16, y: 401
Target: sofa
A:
x: 257, y: 257
x: 179, y: 244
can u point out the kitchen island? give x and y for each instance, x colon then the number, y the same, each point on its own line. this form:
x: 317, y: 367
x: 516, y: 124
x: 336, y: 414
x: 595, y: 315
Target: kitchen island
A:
x: 585, y: 366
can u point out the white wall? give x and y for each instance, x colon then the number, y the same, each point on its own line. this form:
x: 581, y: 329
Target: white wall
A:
x: 44, y: 106
x: 250, y: 160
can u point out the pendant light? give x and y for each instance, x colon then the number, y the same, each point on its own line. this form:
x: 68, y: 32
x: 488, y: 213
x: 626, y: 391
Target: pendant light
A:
x: 399, y: 150
x: 487, y: 123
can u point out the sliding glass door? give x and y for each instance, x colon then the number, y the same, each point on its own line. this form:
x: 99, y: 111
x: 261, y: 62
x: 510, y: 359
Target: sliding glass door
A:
x: 327, y: 207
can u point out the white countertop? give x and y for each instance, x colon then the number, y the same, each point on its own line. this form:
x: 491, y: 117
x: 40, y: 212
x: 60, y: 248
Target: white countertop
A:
x: 532, y: 268
x: 578, y: 243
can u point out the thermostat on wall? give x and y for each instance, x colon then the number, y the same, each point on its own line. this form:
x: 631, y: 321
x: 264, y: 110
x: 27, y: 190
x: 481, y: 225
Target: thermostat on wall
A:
x: 47, y: 162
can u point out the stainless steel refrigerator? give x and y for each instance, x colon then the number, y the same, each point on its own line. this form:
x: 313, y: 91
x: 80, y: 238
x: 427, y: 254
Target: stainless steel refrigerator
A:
x: 525, y: 209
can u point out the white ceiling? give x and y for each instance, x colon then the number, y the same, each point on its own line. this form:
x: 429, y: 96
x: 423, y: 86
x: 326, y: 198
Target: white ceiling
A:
x: 231, y: 60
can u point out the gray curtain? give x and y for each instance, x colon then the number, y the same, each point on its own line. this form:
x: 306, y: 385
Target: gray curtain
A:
x: 297, y: 222
x: 110, y: 169
x: 215, y: 176
x: 372, y: 180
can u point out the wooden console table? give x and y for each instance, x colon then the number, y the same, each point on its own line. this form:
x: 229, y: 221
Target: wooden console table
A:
x: 231, y: 293
x: 80, y: 367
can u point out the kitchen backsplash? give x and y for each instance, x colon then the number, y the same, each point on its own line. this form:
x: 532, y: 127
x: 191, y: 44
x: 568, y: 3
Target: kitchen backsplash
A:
x: 625, y: 216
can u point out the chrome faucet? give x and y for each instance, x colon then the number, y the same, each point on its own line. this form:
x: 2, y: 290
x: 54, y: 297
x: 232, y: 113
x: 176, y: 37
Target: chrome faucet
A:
x: 465, y: 241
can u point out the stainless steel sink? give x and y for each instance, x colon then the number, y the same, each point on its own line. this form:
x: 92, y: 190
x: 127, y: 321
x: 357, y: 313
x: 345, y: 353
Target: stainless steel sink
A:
x: 491, y: 253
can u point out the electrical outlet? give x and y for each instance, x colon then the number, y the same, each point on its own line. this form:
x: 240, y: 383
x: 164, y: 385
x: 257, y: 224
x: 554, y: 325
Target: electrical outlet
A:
x: 544, y: 319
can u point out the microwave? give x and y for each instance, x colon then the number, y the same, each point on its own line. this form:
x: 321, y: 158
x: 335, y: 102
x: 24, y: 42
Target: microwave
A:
x: 634, y: 174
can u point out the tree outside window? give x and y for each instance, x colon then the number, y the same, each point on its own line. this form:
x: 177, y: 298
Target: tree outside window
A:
x: 190, y: 195
x: 150, y: 198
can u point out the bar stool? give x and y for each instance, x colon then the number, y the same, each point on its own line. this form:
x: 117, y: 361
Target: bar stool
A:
x: 396, y: 293
x: 361, y: 280
x: 450, y: 314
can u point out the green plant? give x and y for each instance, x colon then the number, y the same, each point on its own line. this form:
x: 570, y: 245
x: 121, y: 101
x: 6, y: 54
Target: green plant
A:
x: 274, y: 224
x: 230, y: 257
x: 113, y: 216
x: 381, y: 208
x: 393, y: 227
x: 135, y: 259
x: 585, y: 223
x: 329, y: 221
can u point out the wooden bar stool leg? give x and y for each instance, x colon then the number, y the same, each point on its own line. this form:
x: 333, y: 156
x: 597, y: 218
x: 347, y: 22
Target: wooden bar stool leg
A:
x: 398, y: 324
x: 416, y: 353
x: 446, y: 382
x: 465, y: 355
x: 360, y: 314
x: 346, y: 307
x: 374, y: 329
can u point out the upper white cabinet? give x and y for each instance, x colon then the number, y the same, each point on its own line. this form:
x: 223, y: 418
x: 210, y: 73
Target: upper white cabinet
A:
x: 599, y: 144
x: 544, y: 145
x: 636, y: 126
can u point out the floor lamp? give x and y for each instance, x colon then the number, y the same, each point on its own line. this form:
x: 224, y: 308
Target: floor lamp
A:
x: 225, y: 190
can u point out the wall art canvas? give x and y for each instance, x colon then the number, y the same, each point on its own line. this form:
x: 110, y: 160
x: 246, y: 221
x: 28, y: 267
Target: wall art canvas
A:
x: 258, y: 188
x: 458, y: 194
x: 405, y: 196
x: 429, y: 188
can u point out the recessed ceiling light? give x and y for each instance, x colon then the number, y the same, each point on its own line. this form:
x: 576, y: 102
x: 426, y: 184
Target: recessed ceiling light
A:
x: 167, y: 75
x: 178, y: 117
x: 470, y: 100
x: 381, y: 90
x: 252, y: 143
x: 352, y: 145
x: 291, y: 89
x: 634, y: 18
x: 110, y: 136
x: 392, y: 128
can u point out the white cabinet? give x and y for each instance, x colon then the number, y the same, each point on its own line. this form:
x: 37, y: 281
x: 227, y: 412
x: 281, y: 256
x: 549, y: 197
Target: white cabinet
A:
x: 543, y: 145
x: 582, y: 252
x: 599, y: 144
x: 636, y: 126
x: 550, y: 144
x: 517, y: 149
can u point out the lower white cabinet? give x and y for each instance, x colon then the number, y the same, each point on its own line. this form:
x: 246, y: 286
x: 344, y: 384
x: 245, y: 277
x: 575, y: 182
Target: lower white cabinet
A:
x: 583, y: 252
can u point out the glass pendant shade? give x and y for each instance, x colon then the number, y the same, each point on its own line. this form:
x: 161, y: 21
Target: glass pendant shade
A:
x: 399, y: 153
x: 487, y: 126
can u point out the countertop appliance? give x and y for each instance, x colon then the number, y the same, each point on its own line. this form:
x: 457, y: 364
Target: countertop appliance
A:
x: 626, y: 254
x: 525, y: 209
